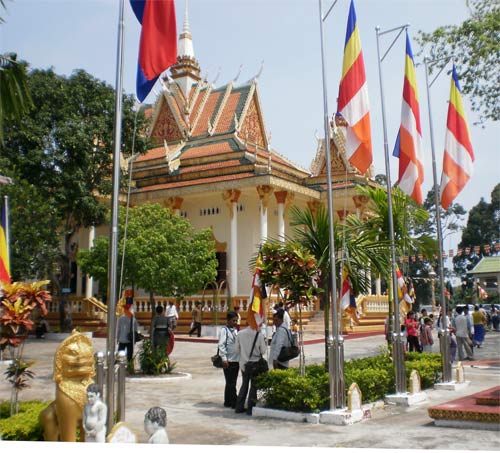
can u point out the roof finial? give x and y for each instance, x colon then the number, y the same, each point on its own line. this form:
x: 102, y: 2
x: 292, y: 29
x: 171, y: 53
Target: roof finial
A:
x: 186, y: 19
x: 185, y: 47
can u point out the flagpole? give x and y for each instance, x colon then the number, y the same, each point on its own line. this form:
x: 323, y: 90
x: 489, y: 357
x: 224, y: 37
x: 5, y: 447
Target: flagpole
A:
x: 335, y: 344
x: 398, y: 350
x: 113, y: 255
x: 444, y: 338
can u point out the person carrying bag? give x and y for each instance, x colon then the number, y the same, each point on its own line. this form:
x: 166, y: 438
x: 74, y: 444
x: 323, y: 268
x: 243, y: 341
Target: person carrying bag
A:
x: 283, y: 348
x: 251, y: 346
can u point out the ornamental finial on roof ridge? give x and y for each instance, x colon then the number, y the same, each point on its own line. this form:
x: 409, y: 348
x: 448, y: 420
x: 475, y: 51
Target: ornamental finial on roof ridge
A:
x: 186, y: 18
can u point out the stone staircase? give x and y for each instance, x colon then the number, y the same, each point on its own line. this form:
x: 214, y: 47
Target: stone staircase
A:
x: 316, y: 325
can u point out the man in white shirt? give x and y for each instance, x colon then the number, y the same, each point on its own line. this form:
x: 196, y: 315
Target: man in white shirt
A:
x: 247, y: 338
x: 460, y: 323
x: 172, y: 315
x: 230, y: 358
x: 281, y: 337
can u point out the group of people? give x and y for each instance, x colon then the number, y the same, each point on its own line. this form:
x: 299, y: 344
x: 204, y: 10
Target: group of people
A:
x: 162, y: 323
x: 466, y: 330
x: 240, y: 350
x: 418, y: 332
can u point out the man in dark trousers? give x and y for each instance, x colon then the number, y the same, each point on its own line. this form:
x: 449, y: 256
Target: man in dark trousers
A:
x: 230, y: 365
x: 197, y: 318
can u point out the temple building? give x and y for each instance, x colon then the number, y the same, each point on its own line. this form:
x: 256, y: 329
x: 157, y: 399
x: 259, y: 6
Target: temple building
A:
x: 213, y: 164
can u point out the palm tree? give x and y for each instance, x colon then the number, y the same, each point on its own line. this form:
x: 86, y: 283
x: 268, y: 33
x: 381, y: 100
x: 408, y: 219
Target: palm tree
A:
x: 15, y: 98
x: 354, y: 248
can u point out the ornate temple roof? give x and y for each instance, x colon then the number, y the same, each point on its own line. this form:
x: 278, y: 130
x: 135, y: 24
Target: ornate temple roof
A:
x: 205, y: 135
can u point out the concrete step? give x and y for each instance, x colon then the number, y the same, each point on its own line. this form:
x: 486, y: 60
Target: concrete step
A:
x: 466, y: 412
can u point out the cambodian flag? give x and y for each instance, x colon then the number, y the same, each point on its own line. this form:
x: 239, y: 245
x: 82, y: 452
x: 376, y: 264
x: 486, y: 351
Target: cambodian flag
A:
x: 158, y: 45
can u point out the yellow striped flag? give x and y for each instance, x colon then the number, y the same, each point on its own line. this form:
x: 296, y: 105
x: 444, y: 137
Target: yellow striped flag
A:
x: 353, y: 104
x: 409, y: 141
x: 458, y: 154
x: 4, y: 249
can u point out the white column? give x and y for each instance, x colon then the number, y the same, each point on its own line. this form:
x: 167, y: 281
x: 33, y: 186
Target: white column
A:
x: 263, y: 221
x: 378, y: 286
x: 281, y: 222
x: 233, y: 248
x: 282, y: 197
x: 369, y: 278
x: 231, y: 198
x: 90, y: 281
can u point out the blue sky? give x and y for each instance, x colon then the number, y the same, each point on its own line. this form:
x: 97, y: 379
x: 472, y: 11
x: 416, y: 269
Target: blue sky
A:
x: 70, y: 34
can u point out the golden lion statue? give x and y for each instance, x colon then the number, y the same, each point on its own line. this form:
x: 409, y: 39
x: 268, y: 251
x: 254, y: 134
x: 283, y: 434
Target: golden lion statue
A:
x: 73, y: 372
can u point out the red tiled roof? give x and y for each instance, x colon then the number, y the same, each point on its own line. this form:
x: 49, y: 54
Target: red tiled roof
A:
x: 208, y: 110
x: 196, y: 182
x: 227, y: 116
x: 223, y: 164
x: 207, y: 150
x: 155, y: 153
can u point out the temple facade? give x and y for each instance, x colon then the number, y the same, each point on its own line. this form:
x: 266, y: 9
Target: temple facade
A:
x: 212, y: 163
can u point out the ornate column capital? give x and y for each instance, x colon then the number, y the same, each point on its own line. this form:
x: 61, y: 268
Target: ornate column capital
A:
x: 173, y: 203
x: 360, y: 201
x: 313, y: 206
x: 342, y: 214
x: 231, y: 196
x: 264, y: 192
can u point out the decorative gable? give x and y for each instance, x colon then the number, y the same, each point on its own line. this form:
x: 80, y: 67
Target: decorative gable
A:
x: 165, y: 127
x: 252, y: 128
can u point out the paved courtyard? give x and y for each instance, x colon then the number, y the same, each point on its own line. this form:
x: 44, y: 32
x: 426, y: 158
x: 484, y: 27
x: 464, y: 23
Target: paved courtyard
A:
x: 196, y: 415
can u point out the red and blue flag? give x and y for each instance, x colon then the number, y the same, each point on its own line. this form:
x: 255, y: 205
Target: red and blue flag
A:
x: 158, y: 44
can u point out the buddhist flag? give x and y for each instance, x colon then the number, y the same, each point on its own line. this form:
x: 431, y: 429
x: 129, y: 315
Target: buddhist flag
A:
x: 408, y: 146
x: 458, y: 154
x: 353, y: 103
x: 4, y: 248
x: 255, y: 315
x: 158, y: 44
x: 347, y: 299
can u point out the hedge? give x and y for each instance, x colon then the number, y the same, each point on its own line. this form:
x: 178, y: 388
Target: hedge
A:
x: 287, y: 390
x: 24, y: 425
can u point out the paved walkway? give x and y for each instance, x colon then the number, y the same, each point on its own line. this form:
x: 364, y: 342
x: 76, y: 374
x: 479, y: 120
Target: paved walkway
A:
x: 196, y: 415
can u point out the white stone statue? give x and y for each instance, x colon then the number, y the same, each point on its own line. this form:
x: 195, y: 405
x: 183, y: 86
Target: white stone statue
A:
x: 94, y: 416
x: 155, y: 423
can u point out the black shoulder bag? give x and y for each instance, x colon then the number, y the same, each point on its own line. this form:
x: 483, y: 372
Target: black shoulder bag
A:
x: 254, y: 368
x: 217, y: 359
x: 134, y: 336
x: 288, y: 352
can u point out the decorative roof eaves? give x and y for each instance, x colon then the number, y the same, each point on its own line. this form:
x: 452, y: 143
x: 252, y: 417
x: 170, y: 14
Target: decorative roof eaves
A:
x: 222, y: 104
x: 201, y: 107
x: 256, y: 93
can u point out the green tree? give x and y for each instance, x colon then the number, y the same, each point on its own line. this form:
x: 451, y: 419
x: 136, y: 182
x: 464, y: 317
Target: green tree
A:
x: 475, y: 49
x: 164, y: 254
x: 63, y: 148
x: 483, y: 230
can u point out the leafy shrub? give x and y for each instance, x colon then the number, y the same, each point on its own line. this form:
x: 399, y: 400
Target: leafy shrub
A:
x: 287, y: 390
x: 429, y: 367
x: 24, y: 425
x: 154, y: 362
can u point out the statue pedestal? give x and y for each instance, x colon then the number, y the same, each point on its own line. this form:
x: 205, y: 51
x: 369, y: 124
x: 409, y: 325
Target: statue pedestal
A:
x: 451, y: 385
x: 344, y: 416
x: 406, y: 399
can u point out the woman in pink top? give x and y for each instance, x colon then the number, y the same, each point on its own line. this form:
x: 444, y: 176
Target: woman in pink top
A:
x: 411, y: 331
x: 426, y: 335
